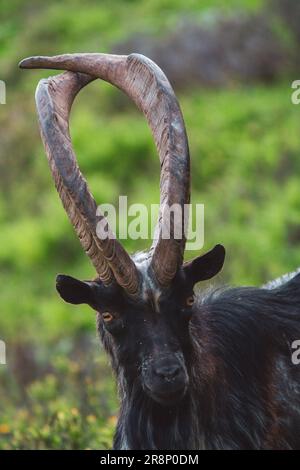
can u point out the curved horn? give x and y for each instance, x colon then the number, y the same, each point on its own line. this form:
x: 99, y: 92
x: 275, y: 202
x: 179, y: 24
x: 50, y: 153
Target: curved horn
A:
x: 146, y: 84
x: 54, y: 98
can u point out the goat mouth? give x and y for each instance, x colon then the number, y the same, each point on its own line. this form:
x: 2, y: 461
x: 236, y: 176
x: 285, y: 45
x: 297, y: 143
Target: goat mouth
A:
x: 165, y: 398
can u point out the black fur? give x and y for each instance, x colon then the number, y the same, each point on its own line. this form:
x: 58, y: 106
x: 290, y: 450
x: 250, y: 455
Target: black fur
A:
x: 242, y: 390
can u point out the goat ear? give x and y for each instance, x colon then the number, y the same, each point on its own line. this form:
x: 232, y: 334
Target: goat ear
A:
x: 74, y: 291
x: 206, y: 266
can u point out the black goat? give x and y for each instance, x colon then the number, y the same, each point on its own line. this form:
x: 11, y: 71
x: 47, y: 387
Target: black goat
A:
x: 215, y: 375
x: 212, y: 371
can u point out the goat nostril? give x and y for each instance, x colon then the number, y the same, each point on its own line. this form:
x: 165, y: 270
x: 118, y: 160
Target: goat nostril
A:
x: 167, y: 372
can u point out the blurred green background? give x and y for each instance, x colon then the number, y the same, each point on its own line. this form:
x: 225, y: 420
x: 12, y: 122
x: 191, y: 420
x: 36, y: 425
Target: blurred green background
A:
x: 231, y: 64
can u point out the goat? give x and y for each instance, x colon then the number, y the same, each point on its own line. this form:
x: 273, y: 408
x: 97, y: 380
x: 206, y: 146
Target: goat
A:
x: 205, y: 371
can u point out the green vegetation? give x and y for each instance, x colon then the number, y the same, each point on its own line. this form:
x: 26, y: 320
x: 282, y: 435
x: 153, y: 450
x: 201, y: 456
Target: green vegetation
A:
x: 57, y: 390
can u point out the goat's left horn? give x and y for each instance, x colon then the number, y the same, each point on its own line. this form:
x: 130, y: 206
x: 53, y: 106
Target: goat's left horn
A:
x: 146, y: 84
x: 54, y: 98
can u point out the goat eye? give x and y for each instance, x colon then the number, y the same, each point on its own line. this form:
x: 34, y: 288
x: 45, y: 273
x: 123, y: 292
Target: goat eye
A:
x: 190, y: 300
x: 107, y: 317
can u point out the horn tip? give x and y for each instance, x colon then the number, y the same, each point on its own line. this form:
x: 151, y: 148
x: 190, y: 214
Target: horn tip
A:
x: 32, y: 62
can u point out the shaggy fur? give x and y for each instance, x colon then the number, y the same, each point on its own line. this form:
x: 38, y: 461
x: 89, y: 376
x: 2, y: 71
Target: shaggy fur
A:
x: 244, y: 391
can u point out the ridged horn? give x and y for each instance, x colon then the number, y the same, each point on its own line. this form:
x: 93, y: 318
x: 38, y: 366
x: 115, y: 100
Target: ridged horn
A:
x: 144, y: 82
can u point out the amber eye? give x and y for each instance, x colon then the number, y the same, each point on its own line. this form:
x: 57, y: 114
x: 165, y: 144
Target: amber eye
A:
x: 190, y: 300
x: 107, y: 317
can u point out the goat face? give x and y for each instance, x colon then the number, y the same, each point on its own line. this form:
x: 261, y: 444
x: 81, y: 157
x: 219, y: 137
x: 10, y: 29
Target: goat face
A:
x: 148, y: 337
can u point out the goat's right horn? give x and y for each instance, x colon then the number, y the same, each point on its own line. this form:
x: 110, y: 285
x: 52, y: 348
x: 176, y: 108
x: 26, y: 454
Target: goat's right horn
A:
x: 146, y: 84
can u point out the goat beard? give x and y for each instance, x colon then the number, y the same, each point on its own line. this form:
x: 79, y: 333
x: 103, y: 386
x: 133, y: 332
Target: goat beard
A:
x: 145, y: 424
